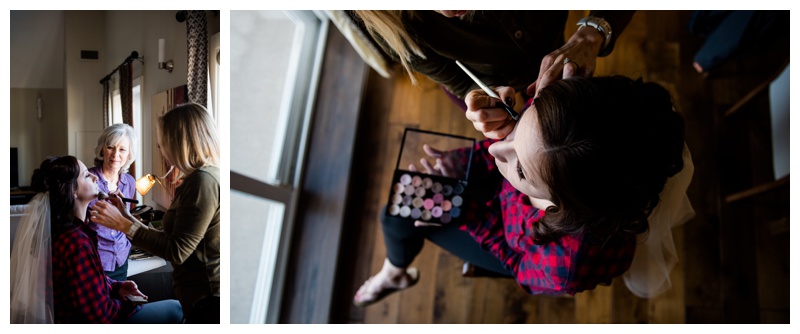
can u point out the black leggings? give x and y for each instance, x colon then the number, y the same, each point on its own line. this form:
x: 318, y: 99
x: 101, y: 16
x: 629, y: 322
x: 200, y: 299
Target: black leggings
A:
x: 404, y: 241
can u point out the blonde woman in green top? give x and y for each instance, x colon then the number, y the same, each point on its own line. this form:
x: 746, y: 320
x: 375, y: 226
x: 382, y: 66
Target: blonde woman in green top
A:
x: 187, y: 139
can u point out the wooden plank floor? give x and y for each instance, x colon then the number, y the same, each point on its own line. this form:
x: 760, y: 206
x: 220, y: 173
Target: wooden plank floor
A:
x: 657, y: 47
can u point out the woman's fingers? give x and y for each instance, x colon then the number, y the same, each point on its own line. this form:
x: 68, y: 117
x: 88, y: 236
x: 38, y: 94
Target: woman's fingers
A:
x: 427, y: 165
x: 477, y: 99
x: 488, y: 115
x: 570, y: 70
x: 440, y: 167
x: 100, y: 206
x: 507, y: 95
x: 431, y: 151
x: 102, y: 212
x: 531, y: 90
x: 498, y: 130
x: 116, y: 199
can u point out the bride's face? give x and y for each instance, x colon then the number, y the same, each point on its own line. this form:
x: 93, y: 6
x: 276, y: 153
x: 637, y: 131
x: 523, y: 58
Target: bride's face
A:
x: 518, y: 158
x: 87, y: 185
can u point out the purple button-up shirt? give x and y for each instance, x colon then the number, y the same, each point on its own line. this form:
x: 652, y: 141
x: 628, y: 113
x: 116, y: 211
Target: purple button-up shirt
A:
x: 112, y: 245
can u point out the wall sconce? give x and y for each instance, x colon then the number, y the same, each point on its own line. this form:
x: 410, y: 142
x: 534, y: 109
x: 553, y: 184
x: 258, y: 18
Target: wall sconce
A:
x: 161, y: 64
x: 145, y: 183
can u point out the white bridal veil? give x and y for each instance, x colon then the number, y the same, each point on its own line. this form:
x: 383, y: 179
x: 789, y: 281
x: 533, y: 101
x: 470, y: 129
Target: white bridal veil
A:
x: 31, y: 302
x: 655, y: 258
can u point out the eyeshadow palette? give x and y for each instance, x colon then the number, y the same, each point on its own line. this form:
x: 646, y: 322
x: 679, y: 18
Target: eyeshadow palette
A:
x: 432, y: 193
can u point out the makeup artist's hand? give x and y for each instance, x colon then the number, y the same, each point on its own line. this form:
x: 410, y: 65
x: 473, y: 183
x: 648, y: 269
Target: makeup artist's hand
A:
x: 448, y: 164
x: 112, y: 213
x: 116, y: 199
x: 118, y: 194
x: 582, y: 49
x: 486, y: 117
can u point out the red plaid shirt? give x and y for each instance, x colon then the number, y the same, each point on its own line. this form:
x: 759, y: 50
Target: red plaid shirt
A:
x: 82, y: 293
x: 502, y: 226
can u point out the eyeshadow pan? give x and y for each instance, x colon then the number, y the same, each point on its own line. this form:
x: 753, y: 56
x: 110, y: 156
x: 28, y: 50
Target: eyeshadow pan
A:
x: 445, y: 218
x: 405, y: 179
x: 397, y: 199
x: 446, y: 205
x: 438, y: 198
x: 407, y: 200
x: 458, y: 189
x: 416, y: 181
x: 417, y: 202
x: 455, y: 212
x: 426, y: 215
x: 447, y: 190
x: 428, y: 204
x: 457, y: 200
x: 410, y: 190
x: 399, y: 188
x: 436, y: 187
x: 420, y: 192
x: 427, y: 183
x: 405, y: 211
x: 394, y: 209
x: 436, y: 212
x: 416, y: 213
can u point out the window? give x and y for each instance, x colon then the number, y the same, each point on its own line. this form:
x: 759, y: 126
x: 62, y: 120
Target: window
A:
x: 116, y: 117
x: 275, y: 60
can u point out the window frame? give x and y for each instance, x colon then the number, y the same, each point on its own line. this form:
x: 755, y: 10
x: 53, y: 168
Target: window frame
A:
x: 304, y: 69
x: 137, y: 83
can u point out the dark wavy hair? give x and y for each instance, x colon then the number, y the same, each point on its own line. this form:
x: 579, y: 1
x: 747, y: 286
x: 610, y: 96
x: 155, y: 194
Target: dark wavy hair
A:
x: 610, y: 144
x: 59, y: 176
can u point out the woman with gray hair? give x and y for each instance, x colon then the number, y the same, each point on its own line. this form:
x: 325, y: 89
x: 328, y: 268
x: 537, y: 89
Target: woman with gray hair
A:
x: 115, y: 152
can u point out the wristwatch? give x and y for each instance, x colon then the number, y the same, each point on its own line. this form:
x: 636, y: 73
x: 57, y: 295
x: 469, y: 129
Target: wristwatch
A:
x: 604, y: 28
x: 132, y: 231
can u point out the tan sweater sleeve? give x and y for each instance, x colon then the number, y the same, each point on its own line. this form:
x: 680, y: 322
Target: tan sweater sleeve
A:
x: 186, y: 221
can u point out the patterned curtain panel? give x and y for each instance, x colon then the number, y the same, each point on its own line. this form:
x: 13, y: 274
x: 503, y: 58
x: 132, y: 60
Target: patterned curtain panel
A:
x: 106, y: 103
x: 126, y: 92
x: 126, y: 98
x: 197, y: 47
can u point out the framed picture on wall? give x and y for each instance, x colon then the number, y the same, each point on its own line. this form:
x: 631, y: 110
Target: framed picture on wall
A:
x: 161, y: 103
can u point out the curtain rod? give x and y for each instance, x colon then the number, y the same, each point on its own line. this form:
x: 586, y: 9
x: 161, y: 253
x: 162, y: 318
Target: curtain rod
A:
x: 134, y: 56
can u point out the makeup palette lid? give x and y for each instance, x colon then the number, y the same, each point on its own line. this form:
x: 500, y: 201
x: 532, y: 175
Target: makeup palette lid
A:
x: 455, y: 153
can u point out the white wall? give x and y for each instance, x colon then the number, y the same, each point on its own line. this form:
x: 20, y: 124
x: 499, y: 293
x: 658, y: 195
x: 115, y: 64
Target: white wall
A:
x: 36, y: 55
x: 37, y: 49
x: 83, y: 30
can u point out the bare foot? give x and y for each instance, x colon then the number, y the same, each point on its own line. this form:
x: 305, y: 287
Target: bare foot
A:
x: 697, y: 67
x: 390, y: 279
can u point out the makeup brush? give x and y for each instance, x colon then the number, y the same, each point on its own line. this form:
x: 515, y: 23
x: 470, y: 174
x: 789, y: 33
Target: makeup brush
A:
x: 514, y: 115
x: 102, y: 195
